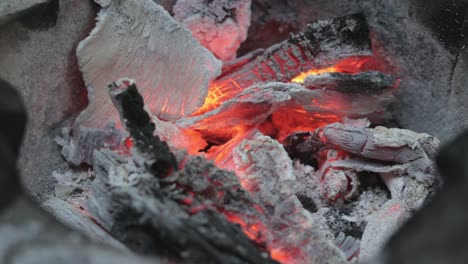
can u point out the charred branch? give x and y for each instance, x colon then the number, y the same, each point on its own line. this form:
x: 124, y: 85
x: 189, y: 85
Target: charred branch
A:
x: 156, y: 208
x: 321, y: 45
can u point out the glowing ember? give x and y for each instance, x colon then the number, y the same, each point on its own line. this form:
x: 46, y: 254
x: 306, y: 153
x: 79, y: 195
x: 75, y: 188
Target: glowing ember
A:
x: 351, y: 65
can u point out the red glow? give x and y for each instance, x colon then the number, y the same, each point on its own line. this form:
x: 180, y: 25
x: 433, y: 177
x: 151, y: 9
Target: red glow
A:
x: 280, y: 124
x: 351, y: 65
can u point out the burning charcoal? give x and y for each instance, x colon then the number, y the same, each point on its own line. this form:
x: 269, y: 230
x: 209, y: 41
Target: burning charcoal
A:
x: 219, y: 25
x: 179, y: 212
x: 255, y: 104
x: 267, y: 172
x: 323, y: 44
x: 140, y: 40
x: 365, y: 82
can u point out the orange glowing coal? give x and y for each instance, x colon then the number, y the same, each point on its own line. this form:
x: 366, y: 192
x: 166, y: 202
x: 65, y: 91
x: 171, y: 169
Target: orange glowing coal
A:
x: 351, y: 65
x: 282, y: 123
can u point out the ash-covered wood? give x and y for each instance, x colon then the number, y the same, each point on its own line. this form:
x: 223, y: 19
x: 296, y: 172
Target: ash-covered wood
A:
x: 154, y: 211
x: 403, y: 159
x: 140, y: 40
x: 267, y: 171
x: 219, y: 25
x: 364, y: 82
x: 322, y: 44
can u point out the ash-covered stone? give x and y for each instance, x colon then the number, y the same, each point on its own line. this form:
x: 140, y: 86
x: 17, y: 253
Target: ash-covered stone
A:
x: 219, y: 25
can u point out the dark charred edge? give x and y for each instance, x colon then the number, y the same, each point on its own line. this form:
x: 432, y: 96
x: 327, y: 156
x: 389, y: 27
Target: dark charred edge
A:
x: 206, y: 237
x: 138, y: 123
x: 303, y: 146
x: 321, y: 45
x: 349, y: 34
x: 371, y: 82
x: 40, y: 17
x: 13, y: 116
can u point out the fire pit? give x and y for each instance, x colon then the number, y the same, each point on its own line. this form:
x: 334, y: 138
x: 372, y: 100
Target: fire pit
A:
x: 208, y: 138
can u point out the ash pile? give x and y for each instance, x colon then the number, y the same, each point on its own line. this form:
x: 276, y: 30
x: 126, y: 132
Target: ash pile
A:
x: 283, y: 155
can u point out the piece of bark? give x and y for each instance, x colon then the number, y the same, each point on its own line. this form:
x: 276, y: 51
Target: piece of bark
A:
x: 321, y: 45
x: 219, y: 25
x: 140, y: 40
x: 364, y: 83
x: 171, y: 206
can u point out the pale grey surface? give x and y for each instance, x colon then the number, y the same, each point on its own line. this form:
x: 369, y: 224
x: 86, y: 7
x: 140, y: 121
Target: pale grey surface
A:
x: 41, y: 64
x: 141, y: 41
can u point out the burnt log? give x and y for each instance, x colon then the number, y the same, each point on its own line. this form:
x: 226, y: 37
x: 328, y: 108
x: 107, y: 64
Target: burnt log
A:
x: 314, y: 108
x: 322, y: 44
x: 154, y: 207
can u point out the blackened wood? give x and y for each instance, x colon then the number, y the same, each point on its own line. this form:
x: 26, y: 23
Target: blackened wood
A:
x: 130, y: 105
x: 322, y: 44
x: 371, y: 82
x: 148, y: 214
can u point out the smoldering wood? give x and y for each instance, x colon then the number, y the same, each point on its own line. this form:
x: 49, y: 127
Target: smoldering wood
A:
x: 403, y: 158
x: 265, y: 168
x: 253, y: 105
x: 141, y: 189
x: 322, y: 44
x: 371, y: 82
x: 140, y: 40
x: 219, y: 25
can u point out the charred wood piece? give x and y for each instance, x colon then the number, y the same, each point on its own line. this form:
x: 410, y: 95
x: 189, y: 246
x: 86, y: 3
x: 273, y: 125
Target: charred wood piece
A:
x: 366, y: 82
x: 138, y: 123
x: 153, y: 211
x: 255, y: 104
x: 321, y: 45
x: 266, y: 170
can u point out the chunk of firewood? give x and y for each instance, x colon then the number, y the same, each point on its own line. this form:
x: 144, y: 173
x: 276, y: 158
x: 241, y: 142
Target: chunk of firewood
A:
x: 403, y: 158
x: 365, y: 82
x: 152, y: 206
x: 252, y: 106
x: 266, y: 170
x: 321, y: 45
x: 219, y: 25
x: 140, y: 40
